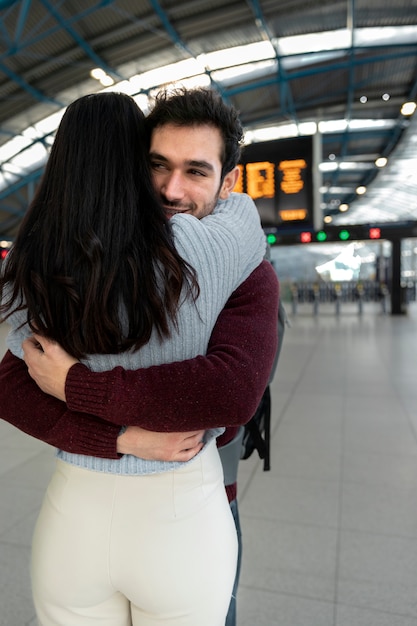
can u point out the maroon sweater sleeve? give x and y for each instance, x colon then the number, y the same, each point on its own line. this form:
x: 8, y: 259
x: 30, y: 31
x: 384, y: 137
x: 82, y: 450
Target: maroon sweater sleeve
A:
x: 25, y: 406
x: 222, y: 388
x: 239, y: 359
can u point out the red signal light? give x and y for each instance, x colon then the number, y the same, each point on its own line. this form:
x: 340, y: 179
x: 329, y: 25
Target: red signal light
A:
x: 374, y: 233
x: 305, y: 237
x: 3, y: 254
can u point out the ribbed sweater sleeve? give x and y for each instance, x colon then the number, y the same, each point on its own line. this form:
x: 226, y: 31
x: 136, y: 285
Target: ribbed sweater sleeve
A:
x: 222, y: 388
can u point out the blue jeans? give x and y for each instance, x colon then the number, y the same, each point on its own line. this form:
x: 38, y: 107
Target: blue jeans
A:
x: 231, y: 615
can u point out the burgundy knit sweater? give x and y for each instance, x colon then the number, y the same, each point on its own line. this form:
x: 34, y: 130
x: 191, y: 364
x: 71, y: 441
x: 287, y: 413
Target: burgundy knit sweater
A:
x: 222, y: 388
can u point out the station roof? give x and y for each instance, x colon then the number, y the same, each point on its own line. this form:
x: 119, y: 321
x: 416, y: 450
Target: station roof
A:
x: 344, y: 66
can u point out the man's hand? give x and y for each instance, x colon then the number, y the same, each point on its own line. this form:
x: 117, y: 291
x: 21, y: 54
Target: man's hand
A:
x: 154, y: 446
x: 48, y: 364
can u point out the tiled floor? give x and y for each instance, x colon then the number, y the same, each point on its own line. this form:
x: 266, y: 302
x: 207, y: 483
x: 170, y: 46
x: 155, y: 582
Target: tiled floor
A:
x: 330, y: 533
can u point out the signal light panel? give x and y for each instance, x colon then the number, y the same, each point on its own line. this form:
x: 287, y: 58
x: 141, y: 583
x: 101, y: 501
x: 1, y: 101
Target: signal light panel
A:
x: 358, y: 232
x: 306, y: 237
x: 344, y: 235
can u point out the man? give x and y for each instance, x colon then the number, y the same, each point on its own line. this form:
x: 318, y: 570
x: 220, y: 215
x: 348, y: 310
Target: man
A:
x: 194, y: 150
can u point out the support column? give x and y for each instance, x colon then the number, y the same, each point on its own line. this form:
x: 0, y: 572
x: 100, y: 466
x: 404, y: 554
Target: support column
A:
x: 398, y: 307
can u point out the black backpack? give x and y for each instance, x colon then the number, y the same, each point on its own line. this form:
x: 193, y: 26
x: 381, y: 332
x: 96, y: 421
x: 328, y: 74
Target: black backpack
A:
x: 257, y: 432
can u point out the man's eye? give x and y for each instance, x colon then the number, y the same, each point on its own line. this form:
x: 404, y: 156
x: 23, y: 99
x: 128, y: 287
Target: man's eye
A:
x: 197, y: 173
x: 157, y: 166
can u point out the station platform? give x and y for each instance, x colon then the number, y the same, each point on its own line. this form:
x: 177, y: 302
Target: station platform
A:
x: 330, y: 532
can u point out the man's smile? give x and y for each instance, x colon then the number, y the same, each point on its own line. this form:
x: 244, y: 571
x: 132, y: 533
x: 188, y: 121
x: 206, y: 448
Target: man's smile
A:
x: 172, y: 209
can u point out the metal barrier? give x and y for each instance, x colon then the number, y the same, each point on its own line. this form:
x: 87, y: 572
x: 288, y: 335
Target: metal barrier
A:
x: 340, y: 293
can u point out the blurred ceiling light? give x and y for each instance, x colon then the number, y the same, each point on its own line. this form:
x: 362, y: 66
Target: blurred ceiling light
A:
x: 363, y: 124
x: 408, y: 108
x: 328, y: 167
x: 106, y: 80
x: 325, y: 166
x: 332, y: 126
x: 361, y: 190
x: 103, y: 78
x: 334, y: 190
x: 280, y: 131
x: 355, y: 165
x: 97, y: 73
x: 271, y: 133
x: 343, y: 208
x: 381, y: 162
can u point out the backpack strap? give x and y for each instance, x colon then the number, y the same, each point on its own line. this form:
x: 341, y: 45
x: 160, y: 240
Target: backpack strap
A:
x: 230, y: 456
x: 258, y: 424
x: 263, y: 445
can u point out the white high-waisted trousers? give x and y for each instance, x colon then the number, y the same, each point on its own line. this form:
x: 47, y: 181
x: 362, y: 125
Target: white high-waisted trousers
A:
x: 112, y: 550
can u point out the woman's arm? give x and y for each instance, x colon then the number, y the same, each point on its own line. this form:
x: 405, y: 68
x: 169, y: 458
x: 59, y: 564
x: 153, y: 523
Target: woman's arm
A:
x: 25, y: 406
x: 220, y: 389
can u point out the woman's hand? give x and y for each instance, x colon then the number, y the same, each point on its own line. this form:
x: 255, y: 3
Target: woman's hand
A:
x: 48, y: 364
x: 154, y: 446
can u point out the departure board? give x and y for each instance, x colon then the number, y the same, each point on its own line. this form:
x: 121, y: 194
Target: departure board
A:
x: 280, y: 176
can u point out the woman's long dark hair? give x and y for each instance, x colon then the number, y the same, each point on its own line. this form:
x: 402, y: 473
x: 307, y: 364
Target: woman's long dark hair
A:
x: 94, y: 262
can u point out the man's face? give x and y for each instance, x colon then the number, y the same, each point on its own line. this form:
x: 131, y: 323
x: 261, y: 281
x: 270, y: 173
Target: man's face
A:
x: 186, y: 168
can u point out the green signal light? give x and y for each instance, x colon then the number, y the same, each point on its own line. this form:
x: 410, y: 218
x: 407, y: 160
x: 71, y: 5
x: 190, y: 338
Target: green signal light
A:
x: 271, y: 239
x: 321, y: 236
x: 344, y: 235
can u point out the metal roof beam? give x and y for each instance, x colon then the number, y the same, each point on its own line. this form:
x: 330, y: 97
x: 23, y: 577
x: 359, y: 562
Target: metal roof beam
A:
x: 51, y: 31
x: 25, y: 180
x: 4, y: 4
x: 179, y: 43
x: 351, y: 86
x: 173, y: 35
x: 284, y: 86
x: 325, y: 69
x: 79, y: 40
x: 35, y: 93
x: 23, y: 13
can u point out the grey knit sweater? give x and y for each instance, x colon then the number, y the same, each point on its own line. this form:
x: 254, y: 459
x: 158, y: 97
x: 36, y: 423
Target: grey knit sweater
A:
x: 224, y: 248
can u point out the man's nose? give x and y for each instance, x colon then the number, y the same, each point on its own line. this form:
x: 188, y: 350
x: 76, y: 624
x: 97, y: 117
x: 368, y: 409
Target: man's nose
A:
x: 173, y: 187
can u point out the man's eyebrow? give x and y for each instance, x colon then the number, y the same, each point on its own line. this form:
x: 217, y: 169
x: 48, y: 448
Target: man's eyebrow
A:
x: 190, y: 163
x: 156, y: 155
x: 201, y: 164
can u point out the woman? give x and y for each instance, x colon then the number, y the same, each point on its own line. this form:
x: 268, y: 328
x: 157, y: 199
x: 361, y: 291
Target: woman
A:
x: 95, y: 268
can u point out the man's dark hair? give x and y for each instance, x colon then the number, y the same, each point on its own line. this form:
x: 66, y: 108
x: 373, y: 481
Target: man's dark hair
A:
x: 195, y: 107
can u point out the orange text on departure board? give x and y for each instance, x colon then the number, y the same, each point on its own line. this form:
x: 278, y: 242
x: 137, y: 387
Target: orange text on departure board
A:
x: 260, y: 182
x: 292, y: 181
x: 293, y: 215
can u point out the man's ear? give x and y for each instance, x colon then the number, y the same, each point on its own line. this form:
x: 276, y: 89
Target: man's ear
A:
x: 229, y: 183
